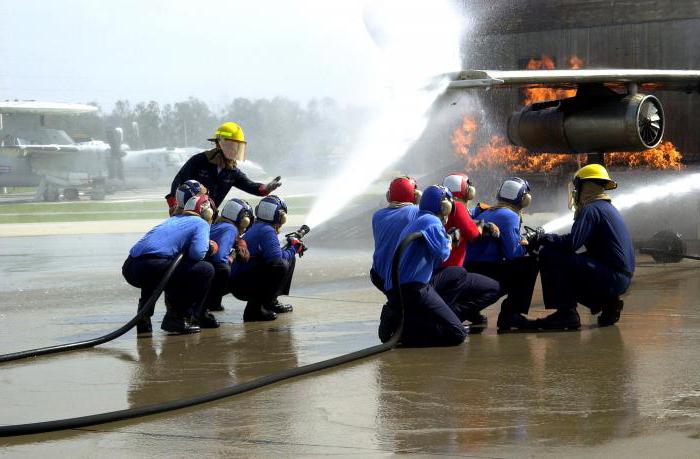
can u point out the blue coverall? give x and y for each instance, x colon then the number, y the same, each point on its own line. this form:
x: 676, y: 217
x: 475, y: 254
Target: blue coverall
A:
x: 595, y: 277
x: 150, y: 257
x: 428, y: 320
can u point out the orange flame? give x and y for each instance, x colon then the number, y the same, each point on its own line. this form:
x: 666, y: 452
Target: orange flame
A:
x: 499, y: 153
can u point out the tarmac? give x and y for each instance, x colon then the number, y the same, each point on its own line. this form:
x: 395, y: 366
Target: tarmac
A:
x: 631, y: 390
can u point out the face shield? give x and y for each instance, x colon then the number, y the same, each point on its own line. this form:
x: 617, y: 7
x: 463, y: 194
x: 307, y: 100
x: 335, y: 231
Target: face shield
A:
x: 234, y: 150
x: 573, y: 196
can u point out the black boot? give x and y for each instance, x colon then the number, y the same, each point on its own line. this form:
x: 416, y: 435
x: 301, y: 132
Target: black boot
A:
x: 388, y: 322
x: 207, y: 320
x: 510, y: 320
x: 144, y: 327
x: 477, y: 321
x: 279, y: 308
x: 177, y: 325
x: 562, y: 319
x: 255, y: 312
x: 216, y: 308
x: 611, y: 313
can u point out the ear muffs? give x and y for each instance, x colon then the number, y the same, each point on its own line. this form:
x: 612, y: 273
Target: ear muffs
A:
x: 470, y: 193
x: 417, y: 194
x: 244, y: 223
x: 446, y: 207
x: 282, y: 217
x: 526, y: 200
x: 207, y: 212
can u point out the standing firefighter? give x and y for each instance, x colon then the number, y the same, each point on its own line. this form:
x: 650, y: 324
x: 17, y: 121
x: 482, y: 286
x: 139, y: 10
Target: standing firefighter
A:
x: 216, y: 169
x: 597, y: 277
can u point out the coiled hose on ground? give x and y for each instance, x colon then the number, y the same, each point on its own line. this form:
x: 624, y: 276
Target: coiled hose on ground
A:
x: 83, y: 421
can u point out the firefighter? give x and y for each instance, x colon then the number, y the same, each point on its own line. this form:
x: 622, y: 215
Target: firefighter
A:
x: 270, y: 269
x: 234, y: 219
x: 216, y: 168
x: 184, y: 192
x: 506, y: 259
x: 151, y: 256
x: 597, y: 277
x: 474, y: 291
x: 428, y: 320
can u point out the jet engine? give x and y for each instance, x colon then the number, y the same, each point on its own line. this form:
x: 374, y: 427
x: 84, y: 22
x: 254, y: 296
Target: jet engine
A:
x: 589, y: 123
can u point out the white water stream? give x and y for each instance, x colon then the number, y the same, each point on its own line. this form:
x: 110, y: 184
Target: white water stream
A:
x: 418, y: 40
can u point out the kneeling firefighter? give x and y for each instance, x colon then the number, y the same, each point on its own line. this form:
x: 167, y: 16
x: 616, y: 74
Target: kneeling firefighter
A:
x: 506, y: 259
x: 217, y: 169
x: 428, y: 320
x: 270, y: 269
x: 150, y: 257
x: 234, y: 219
x: 467, y: 293
x: 597, y: 277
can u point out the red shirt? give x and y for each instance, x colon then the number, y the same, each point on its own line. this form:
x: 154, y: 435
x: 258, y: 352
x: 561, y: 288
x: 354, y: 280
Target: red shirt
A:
x: 468, y: 232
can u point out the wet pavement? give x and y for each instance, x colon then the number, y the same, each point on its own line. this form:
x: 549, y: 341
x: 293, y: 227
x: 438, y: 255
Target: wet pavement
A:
x: 629, y: 390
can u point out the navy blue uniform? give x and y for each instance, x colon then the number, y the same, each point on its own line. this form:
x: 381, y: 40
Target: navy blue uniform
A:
x: 594, y: 277
x: 504, y: 259
x: 150, y: 257
x: 269, y: 271
x: 218, y: 182
x: 428, y: 320
x: 224, y: 234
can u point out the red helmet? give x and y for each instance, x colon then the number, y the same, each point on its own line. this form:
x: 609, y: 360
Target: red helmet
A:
x: 403, y: 189
x: 201, y: 206
x: 460, y: 186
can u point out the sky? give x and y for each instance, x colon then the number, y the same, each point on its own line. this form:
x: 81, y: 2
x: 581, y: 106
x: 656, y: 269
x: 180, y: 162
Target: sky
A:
x: 103, y: 51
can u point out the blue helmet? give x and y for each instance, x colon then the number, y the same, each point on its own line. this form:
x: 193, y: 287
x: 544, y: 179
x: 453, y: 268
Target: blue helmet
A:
x: 515, y: 191
x: 437, y: 200
x: 185, y: 191
x: 271, y: 209
x: 237, y: 211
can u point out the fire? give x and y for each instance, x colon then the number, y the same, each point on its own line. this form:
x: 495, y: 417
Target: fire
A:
x: 534, y: 94
x: 500, y: 154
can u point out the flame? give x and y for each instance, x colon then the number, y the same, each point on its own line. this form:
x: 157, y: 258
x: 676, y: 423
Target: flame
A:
x: 535, y: 94
x: 500, y: 154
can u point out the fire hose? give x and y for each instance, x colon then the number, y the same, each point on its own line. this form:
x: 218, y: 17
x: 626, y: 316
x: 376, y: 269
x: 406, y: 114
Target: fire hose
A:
x: 84, y: 421
x: 101, y: 339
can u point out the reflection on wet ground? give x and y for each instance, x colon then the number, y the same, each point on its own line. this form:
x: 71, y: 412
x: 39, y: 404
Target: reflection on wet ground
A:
x: 628, y: 390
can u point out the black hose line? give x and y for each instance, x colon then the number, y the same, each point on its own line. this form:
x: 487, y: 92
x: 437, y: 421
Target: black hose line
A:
x: 101, y: 339
x: 84, y: 421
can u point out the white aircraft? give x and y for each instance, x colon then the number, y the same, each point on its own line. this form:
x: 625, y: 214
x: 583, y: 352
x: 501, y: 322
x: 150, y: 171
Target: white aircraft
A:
x: 33, y: 154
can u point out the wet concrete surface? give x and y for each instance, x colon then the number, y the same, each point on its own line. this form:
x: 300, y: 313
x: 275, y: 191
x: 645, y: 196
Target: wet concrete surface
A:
x: 631, y: 390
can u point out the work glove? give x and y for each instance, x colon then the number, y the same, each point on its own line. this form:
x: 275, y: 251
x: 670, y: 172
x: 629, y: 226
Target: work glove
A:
x: 172, y: 204
x: 271, y: 186
x: 454, y: 236
x: 488, y: 229
x: 298, y: 246
x: 533, y: 238
x: 241, y: 249
x: 213, y: 248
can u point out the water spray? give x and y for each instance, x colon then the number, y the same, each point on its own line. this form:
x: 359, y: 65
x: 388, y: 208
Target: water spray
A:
x: 641, y: 195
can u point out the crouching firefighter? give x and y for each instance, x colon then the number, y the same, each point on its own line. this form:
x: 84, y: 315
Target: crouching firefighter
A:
x: 467, y: 293
x: 597, y: 277
x: 151, y: 256
x: 270, y: 269
x: 234, y: 219
x: 428, y: 320
x: 506, y: 259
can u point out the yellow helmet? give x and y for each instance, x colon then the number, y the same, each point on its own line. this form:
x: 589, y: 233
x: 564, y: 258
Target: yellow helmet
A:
x: 229, y: 130
x: 595, y: 172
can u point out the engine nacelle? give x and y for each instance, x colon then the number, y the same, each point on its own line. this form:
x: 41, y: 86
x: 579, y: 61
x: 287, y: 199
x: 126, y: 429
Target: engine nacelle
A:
x: 595, y: 124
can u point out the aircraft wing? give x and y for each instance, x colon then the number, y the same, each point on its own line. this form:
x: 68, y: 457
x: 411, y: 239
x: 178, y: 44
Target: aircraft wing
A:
x: 40, y: 108
x: 676, y: 80
x: 46, y: 149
